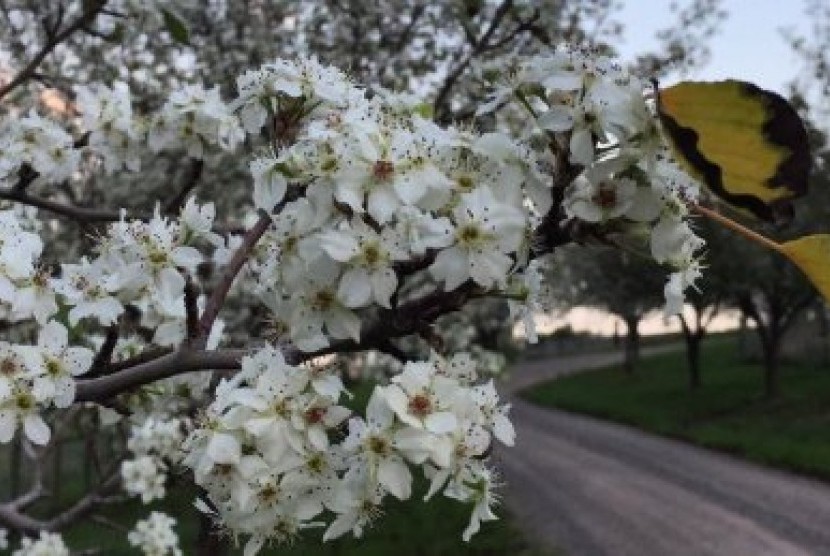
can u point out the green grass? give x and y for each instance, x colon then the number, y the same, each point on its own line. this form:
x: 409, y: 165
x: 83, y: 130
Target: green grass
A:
x: 727, y: 413
x: 413, y: 528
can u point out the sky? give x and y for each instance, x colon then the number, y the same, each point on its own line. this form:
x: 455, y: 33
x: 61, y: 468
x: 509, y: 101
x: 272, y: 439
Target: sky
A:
x: 749, y: 45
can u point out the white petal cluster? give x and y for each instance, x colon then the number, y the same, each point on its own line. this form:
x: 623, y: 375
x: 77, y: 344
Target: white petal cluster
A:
x: 34, y: 378
x: 272, y: 457
x: 260, y: 91
x: 379, y: 187
x: 141, y: 263
x: 155, y: 536
x: 614, y: 138
x: 107, y: 116
x: 144, y: 476
x: 47, y: 544
x: 24, y: 288
x: 194, y: 118
x: 155, y: 445
x: 39, y: 143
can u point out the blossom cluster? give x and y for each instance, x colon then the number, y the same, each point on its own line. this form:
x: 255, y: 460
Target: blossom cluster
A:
x: 155, y: 444
x: 276, y: 454
x: 24, y: 287
x: 39, y: 143
x: 143, y: 264
x: 155, y: 536
x: 47, y: 544
x: 379, y: 186
x: 35, y: 378
x: 626, y: 179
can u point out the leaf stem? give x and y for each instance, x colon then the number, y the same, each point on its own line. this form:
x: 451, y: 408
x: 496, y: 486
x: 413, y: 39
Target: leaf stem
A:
x: 736, y: 227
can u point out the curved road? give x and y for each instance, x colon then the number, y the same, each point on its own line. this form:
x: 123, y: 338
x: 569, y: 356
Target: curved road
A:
x: 593, y: 488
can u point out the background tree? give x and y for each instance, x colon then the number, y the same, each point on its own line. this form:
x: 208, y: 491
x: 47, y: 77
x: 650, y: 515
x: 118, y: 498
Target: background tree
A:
x: 625, y: 285
x: 767, y: 291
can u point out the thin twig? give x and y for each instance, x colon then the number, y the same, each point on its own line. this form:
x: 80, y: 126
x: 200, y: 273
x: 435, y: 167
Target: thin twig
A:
x: 191, y: 308
x: 191, y: 179
x: 89, y: 15
x: 104, y: 355
x: 232, y: 269
x: 80, y: 214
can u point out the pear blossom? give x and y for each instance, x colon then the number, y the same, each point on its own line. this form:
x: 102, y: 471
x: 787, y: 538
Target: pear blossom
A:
x: 34, y: 298
x: 270, y: 182
x: 194, y: 117
x: 47, y: 544
x: 55, y: 363
x: 318, y: 310
x: 155, y: 535
x: 89, y: 288
x: 598, y: 195
x: 370, y: 256
x: 486, y: 231
x: 144, y: 476
x: 373, y: 444
x: 42, y: 144
x: 422, y: 398
x: 475, y: 484
x: 356, y: 507
x: 114, y: 134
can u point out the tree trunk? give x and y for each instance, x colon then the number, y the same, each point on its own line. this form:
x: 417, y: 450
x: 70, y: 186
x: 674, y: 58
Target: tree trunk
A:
x: 771, y: 366
x: 693, y: 337
x: 743, y: 338
x: 632, y: 344
x: 693, y: 359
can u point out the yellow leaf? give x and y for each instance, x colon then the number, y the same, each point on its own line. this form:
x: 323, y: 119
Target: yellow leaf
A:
x: 812, y: 255
x: 747, y: 145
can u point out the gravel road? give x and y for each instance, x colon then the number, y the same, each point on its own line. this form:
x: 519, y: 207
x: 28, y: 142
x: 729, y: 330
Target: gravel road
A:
x: 593, y: 488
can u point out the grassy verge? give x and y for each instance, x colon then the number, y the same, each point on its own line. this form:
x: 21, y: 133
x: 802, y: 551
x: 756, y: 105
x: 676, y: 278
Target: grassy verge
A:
x: 728, y: 412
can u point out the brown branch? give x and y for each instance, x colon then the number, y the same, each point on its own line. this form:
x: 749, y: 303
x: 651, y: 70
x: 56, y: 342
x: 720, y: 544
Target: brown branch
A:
x: 191, y: 308
x: 80, y: 214
x: 171, y: 364
x: 144, y: 357
x: 11, y: 515
x: 410, y: 318
x: 240, y: 257
x: 104, y: 355
x: 479, y: 46
x: 86, y: 18
x: 191, y: 179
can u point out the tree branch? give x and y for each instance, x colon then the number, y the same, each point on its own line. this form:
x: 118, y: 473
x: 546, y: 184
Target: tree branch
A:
x: 180, y: 361
x: 191, y: 179
x: 11, y: 515
x: 80, y: 214
x: 85, y: 19
x: 240, y: 257
x: 409, y: 318
x: 479, y: 46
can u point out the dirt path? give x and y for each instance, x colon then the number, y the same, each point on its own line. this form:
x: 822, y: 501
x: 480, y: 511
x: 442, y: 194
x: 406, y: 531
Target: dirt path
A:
x: 594, y: 488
